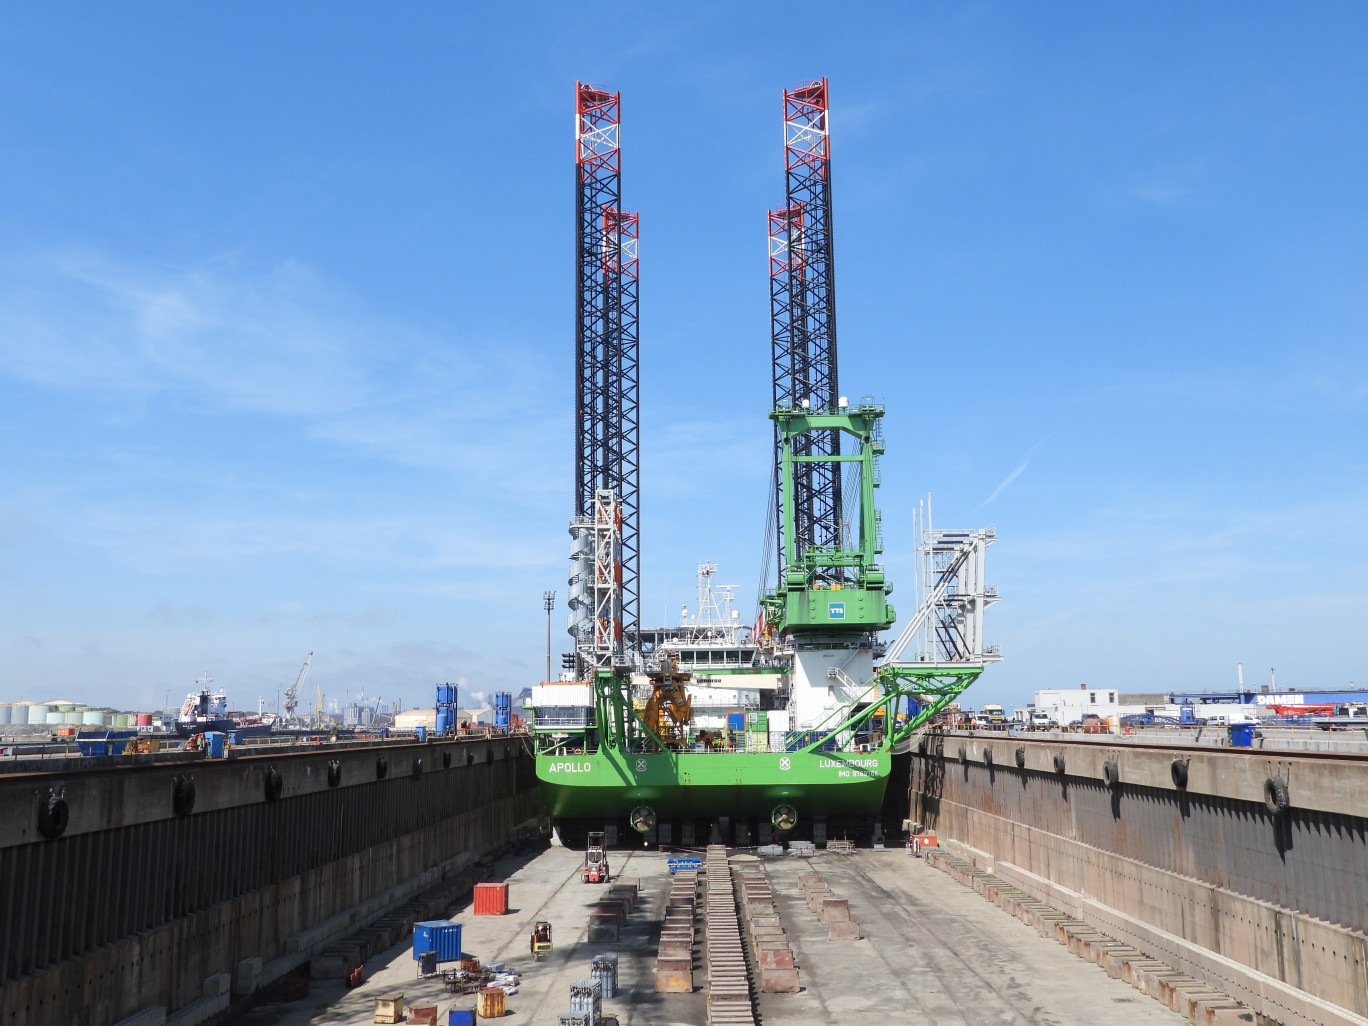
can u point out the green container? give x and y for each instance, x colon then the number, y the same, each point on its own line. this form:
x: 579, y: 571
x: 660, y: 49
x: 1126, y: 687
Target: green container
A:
x: 757, y: 720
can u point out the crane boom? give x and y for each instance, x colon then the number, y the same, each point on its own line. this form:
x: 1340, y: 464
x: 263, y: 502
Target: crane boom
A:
x: 292, y: 692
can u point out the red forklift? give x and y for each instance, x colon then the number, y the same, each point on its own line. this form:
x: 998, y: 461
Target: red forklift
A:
x: 595, y: 869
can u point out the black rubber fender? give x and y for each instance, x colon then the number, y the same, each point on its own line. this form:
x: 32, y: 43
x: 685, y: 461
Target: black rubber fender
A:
x: 1111, y: 774
x: 963, y: 755
x: 1059, y: 763
x: 1021, y: 756
x: 489, y: 756
x: 1275, y: 795
x: 987, y: 755
x: 334, y: 772
x: 274, y: 784
x: 921, y: 747
x: 53, y: 814
x: 381, y: 767
x: 416, y: 770
x: 1178, y: 770
x: 183, y: 795
x: 470, y: 758
x: 446, y: 758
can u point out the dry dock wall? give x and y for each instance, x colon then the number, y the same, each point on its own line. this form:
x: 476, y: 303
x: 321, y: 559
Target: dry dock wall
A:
x: 1270, y: 907
x: 140, y: 905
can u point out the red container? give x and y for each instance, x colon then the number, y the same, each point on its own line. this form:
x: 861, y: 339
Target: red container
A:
x: 144, y: 719
x: 491, y: 899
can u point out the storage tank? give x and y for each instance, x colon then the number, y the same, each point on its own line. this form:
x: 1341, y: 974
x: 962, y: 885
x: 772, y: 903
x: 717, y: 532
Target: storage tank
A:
x: 6, y: 713
x: 144, y: 719
x: 66, y: 708
x: 121, y: 719
x: 37, y: 713
x: 71, y: 717
x: 55, y: 717
x: 93, y: 718
x: 19, y: 713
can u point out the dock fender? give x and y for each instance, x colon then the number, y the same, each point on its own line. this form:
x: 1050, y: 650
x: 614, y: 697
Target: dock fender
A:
x: 334, y: 772
x: 417, y: 770
x: 963, y: 755
x: 381, y: 767
x: 987, y: 755
x: 1178, y: 770
x: 1059, y: 763
x: 182, y: 795
x: 446, y: 758
x: 274, y: 784
x: 1111, y: 774
x: 1275, y: 795
x: 53, y: 814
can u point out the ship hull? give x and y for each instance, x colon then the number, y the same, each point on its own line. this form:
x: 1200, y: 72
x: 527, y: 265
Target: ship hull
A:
x: 706, y: 786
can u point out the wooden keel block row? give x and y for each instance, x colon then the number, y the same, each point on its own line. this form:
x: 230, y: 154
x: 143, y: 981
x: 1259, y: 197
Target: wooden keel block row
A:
x: 1197, y: 1001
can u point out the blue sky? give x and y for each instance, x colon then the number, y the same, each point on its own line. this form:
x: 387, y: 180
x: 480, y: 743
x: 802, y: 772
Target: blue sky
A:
x: 286, y: 323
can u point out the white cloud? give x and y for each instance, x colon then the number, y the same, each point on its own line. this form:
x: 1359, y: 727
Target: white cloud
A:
x: 282, y: 342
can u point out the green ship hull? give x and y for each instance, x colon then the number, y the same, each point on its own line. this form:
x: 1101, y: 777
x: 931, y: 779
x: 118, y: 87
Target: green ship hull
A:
x: 708, y: 785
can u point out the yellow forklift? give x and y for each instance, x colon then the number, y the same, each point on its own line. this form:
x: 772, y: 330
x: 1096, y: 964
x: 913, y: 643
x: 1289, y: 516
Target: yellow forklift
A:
x: 541, y: 939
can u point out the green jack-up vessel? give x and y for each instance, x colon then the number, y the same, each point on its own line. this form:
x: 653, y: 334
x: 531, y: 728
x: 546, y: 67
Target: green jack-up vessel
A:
x: 710, y: 730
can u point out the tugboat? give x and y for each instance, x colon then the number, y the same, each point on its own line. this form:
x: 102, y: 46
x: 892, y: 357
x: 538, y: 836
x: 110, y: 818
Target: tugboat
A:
x: 205, y: 710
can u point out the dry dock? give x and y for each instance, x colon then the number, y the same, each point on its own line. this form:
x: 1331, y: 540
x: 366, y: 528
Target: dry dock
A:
x: 933, y: 951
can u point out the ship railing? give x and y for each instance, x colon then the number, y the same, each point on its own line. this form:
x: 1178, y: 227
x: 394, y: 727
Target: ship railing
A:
x: 558, y: 722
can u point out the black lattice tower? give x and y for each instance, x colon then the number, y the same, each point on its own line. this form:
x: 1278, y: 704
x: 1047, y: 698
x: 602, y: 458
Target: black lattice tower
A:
x: 803, y: 316
x: 606, y: 345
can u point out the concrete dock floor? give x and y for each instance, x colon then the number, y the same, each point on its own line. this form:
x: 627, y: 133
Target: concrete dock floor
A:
x: 933, y: 952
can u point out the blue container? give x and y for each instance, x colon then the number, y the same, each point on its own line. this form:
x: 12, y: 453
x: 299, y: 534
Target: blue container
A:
x: 421, y: 732
x: 214, y: 740
x: 111, y: 742
x: 1241, y: 735
x: 439, y: 935
x: 503, y: 708
x: 736, y: 721
x: 461, y: 1017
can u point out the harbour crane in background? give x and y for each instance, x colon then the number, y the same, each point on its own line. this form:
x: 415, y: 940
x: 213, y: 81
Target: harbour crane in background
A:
x: 292, y: 692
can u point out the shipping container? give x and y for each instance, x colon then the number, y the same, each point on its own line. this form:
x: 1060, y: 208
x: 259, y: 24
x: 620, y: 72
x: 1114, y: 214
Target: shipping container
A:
x: 439, y: 935
x: 491, y: 899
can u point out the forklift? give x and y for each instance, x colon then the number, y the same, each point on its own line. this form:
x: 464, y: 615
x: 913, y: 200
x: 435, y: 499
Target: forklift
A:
x: 541, y: 939
x: 595, y: 869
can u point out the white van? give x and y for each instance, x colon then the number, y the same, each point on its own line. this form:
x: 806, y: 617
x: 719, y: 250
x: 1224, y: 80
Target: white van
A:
x: 1042, y: 720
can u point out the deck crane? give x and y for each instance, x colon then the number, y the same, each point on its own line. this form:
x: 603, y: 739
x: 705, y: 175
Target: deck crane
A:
x: 292, y: 692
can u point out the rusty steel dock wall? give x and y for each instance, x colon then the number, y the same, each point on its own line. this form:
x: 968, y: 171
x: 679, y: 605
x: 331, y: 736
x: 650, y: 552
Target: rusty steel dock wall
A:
x: 139, y: 901
x: 1271, y: 906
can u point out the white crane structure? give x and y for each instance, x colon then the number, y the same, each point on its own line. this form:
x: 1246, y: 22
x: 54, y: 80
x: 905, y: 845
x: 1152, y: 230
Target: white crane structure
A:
x: 292, y: 692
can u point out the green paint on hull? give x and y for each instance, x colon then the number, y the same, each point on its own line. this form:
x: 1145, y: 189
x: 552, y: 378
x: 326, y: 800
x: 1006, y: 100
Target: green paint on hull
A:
x: 610, y: 784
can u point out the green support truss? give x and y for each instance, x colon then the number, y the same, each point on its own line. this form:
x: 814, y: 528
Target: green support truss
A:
x: 930, y: 688
x: 803, y: 601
